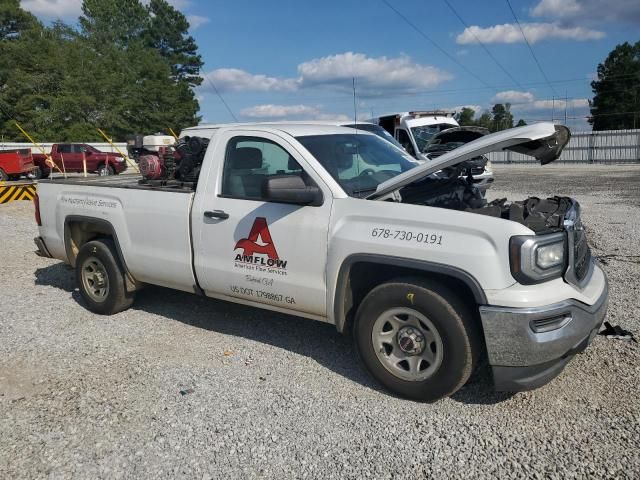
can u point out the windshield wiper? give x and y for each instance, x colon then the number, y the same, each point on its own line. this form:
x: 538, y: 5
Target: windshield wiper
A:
x: 364, y: 190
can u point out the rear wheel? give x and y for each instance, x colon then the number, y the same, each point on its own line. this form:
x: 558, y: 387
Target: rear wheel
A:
x: 101, y: 278
x: 105, y: 170
x: 417, y: 338
x: 36, y: 173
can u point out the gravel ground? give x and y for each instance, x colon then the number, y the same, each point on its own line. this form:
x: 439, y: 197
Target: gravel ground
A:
x: 274, y: 396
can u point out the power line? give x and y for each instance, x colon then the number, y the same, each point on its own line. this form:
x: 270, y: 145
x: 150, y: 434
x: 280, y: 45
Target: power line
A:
x: 451, y: 91
x: 436, y: 45
x: 215, y: 89
x: 484, y: 47
x: 531, y: 49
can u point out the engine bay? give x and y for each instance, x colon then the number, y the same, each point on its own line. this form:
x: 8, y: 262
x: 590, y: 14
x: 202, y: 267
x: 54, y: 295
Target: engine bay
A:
x: 460, y: 193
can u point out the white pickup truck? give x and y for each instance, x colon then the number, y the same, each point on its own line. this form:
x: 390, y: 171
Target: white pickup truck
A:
x: 340, y: 226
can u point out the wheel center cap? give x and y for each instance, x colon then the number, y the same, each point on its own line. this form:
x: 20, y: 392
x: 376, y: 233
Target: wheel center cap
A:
x: 98, y: 278
x: 411, y: 341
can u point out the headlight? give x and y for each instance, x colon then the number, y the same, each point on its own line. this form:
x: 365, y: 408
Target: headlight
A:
x: 539, y: 258
x: 549, y: 256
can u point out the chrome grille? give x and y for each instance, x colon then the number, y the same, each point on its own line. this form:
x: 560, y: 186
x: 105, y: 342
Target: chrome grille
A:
x: 581, y: 252
x: 580, y: 262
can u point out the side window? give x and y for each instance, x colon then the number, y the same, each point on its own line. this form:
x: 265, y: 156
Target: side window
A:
x: 64, y: 148
x: 249, y: 161
x: 405, y: 141
x: 79, y: 148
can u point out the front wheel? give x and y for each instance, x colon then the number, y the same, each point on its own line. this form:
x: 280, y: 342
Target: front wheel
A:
x: 3, y: 176
x: 101, y: 278
x: 105, y: 170
x: 417, y: 338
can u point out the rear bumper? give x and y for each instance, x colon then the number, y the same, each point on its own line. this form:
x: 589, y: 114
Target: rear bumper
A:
x: 42, y: 251
x: 528, y: 347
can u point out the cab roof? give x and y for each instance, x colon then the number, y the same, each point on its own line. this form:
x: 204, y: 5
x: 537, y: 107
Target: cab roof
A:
x: 295, y: 129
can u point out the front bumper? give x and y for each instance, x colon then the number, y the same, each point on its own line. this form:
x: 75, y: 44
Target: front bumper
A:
x: 523, y: 359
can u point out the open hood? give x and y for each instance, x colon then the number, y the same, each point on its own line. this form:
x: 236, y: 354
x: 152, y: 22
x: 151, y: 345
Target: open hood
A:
x: 544, y: 141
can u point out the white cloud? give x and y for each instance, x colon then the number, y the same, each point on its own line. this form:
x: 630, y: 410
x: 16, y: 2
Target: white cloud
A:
x: 53, y: 8
x: 526, y: 102
x: 279, y: 111
x: 513, y: 96
x: 73, y: 8
x: 374, y: 76
x: 196, y: 21
x: 236, y: 80
x: 557, y: 8
x: 476, y: 108
x: 557, y: 104
x: 336, y: 117
x: 535, y: 32
x: 627, y: 11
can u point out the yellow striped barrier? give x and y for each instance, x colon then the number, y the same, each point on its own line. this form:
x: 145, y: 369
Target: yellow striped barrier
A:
x: 20, y: 191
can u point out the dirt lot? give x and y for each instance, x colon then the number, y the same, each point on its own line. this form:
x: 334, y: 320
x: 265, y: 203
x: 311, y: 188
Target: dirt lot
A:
x: 274, y: 396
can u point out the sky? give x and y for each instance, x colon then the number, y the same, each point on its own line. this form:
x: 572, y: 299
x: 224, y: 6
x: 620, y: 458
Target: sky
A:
x: 296, y: 60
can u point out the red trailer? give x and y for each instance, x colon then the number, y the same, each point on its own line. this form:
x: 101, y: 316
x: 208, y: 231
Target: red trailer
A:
x: 15, y: 163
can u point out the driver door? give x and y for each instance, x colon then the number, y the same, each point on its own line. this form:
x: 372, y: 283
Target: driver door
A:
x: 253, y: 249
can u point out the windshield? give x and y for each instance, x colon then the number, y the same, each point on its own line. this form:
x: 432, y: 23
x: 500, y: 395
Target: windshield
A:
x: 359, y: 163
x: 424, y: 133
x: 378, y: 130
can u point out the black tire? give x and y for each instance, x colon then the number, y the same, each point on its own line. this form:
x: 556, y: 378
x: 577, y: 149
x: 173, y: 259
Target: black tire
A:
x: 105, y: 170
x: 36, y: 173
x: 3, y: 176
x: 454, y: 322
x: 102, y: 253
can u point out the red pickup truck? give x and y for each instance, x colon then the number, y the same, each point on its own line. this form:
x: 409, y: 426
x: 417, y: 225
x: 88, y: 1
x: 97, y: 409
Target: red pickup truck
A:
x: 102, y: 163
x: 15, y: 163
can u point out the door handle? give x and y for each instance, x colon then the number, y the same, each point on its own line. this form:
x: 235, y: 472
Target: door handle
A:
x: 222, y: 215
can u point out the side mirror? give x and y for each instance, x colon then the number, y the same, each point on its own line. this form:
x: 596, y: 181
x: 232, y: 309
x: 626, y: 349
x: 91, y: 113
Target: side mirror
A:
x: 87, y: 153
x: 291, y: 189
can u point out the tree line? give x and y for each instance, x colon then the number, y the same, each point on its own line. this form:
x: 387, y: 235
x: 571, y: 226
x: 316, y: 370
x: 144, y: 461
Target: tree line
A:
x: 126, y: 67
x: 499, y: 118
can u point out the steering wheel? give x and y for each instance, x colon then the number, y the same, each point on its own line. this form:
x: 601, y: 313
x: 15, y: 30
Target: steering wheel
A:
x: 367, y: 171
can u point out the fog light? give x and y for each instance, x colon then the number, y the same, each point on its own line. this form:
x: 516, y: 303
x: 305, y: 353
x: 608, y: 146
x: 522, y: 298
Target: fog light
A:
x: 543, y: 325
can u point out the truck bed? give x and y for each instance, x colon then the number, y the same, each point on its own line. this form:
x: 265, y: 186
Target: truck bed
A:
x: 128, y: 181
x: 152, y: 229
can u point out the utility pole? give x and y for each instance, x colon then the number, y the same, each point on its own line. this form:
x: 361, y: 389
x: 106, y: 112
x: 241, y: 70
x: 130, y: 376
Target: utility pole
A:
x: 566, y: 102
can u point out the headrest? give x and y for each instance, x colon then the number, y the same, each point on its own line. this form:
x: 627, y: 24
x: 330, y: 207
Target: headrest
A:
x: 292, y: 164
x: 343, y: 156
x: 245, y: 158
